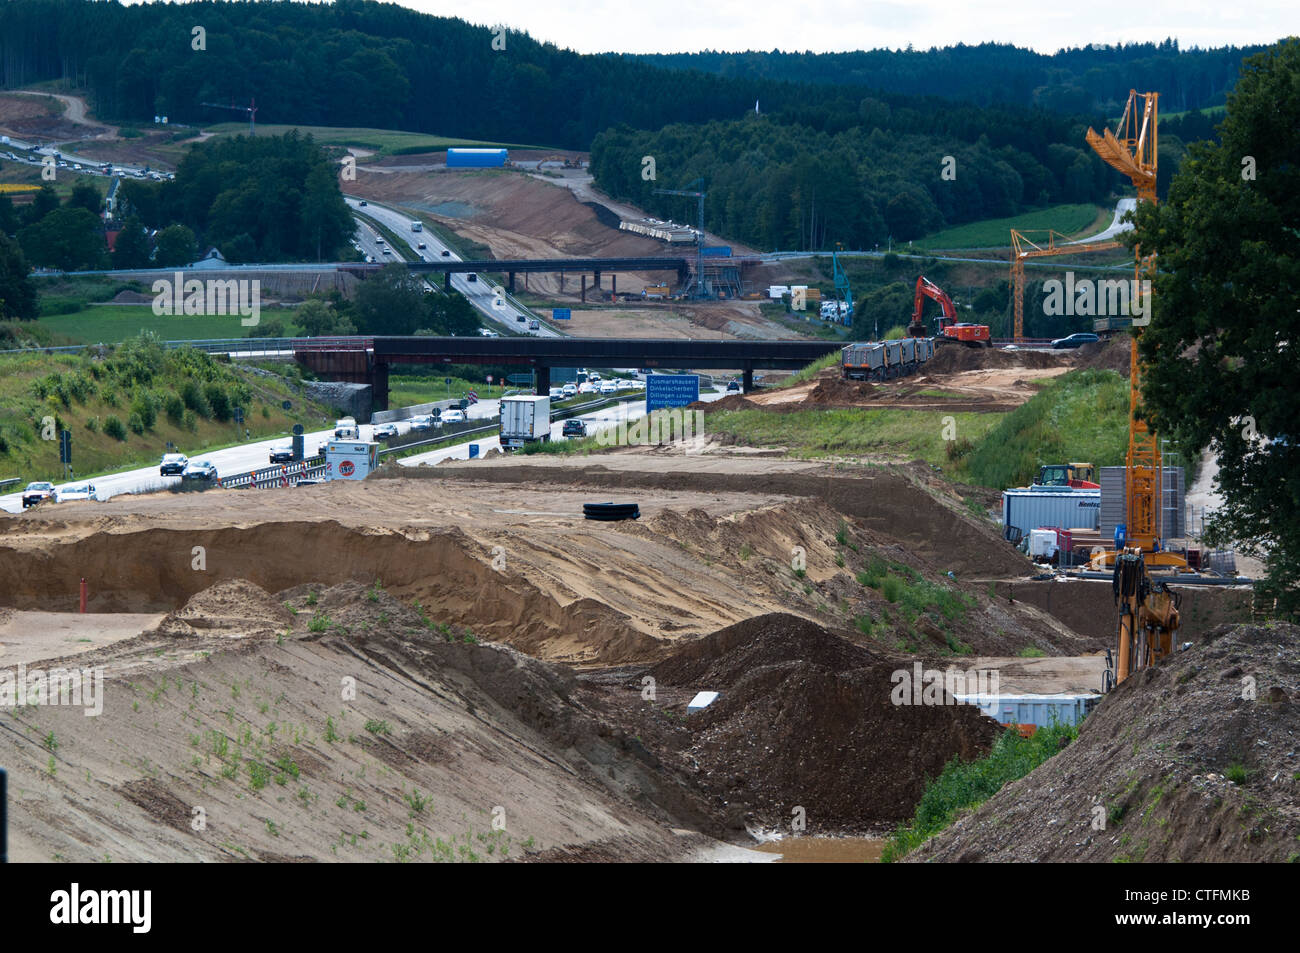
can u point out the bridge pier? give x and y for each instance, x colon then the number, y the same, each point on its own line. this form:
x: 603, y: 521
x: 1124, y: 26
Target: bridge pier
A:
x: 561, y: 282
x: 543, y: 373
x: 446, y: 281
x: 511, y: 285
x: 613, y: 285
x: 379, y: 387
x: 748, y: 372
x: 584, y: 289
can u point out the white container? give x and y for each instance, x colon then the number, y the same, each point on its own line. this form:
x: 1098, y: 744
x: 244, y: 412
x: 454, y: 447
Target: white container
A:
x: 350, y: 459
x: 1042, y: 543
x: 1036, y: 507
x: 1032, y: 709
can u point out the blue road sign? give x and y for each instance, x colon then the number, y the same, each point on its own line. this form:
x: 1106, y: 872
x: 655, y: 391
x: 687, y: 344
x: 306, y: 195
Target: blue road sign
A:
x: 561, y: 314
x: 671, y: 390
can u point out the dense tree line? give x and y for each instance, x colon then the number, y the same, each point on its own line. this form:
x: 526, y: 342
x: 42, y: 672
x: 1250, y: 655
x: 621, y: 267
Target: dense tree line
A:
x: 1082, y: 79
x: 264, y: 199
x: 785, y: 186
x: 359, y: 63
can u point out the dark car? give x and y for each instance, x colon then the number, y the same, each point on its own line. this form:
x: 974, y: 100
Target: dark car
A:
x: 200, y: 470
x: 472, y: 276
x: 282, y: 454
x: 733, y: 386
x: 573, y: 427
x: 1075, y: 340
x: 445, y: 253
x: 363, y: 203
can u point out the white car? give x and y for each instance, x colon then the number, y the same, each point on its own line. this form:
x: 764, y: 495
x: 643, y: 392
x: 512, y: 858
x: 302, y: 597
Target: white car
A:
x: 556, y: 393
x: 586, y: 387
x: 453, y: 416
x: 423, y: 422
x: 37, y: 493
x: 385, y: 431
x: 608, y: 387
x: 173, y: 464
x: 568, y: 390
x: 78, y: 491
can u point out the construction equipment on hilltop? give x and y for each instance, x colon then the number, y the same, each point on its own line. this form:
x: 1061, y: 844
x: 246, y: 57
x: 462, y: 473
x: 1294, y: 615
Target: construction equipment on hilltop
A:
x: 1133, y: 151
x: 1148, y: 619
x: 843, y: 293
x: 699, y: 196
x: 1023, y: 247
x: 1077, y: 476
x: 972, y: 335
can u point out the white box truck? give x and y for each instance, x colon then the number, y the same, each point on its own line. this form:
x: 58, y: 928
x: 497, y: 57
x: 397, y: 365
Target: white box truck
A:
x: 350, y: 459
x: 524, y: 419
x: 345, y: 428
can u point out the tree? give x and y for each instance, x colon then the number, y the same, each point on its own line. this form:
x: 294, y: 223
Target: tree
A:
x: 131, y: 250
x: 85, y: 195
x: 317, y: 318
x: 8, y: 215
x: 70, y: 239
x: 17, y: 292
x: 175, y: 245
x: 43, y: 203
x: 1221, y: 350
x: 392, y: 302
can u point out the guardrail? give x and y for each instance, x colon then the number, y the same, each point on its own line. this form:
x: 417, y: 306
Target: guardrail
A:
x: 278, y: 475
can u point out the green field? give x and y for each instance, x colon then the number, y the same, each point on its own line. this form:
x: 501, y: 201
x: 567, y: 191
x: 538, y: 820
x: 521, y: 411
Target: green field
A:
x: 110, y: 323
x: 383, y: 141
x: 1075, y: 221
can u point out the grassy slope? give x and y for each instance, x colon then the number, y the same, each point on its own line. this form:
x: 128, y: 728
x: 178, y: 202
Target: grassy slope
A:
x: 1071, y: 220
x: 111, y: 323
x: 386, y: 141
x: 24, y: 454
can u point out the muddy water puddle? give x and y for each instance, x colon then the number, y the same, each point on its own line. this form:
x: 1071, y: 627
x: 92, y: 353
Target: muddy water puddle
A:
x: 825, y: 850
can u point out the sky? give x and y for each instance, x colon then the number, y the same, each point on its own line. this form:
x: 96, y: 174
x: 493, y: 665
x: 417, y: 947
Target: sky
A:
x: 664, y: 26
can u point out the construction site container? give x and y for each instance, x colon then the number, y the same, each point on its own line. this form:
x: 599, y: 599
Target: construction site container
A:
x: 1114, y: 502
x: 476, y: 158
x: 863, y: 361
x: 908, y: 348
x: 1029, y: 508
x: 893, y: 355
x: 1041, y: 711
x: 716, y: 251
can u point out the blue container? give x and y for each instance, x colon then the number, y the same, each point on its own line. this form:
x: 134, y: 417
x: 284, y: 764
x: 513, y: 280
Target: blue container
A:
x: 716, y: 251
x: 473, y: 450
x: 476, y: 158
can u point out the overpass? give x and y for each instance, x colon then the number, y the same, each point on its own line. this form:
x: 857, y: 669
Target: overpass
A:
x: 582, y: 266
x: 366, y: 360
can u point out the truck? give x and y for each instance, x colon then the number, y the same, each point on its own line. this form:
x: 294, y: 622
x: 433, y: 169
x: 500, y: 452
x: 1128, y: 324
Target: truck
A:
x: 350, y: 459
x: 525, y: 419
x: 416, y: 227
x: 345, y: 428
x: 655, y: 292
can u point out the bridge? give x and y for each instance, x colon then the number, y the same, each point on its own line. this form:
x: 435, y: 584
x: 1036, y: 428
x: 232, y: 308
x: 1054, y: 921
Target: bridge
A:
x: 582, y: 266
x: 366, y: 360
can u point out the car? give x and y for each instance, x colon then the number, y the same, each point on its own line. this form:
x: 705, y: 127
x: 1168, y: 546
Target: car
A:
x: 421, y: 246
x: 388, y: 251
x: 363, y: 203
x: 594, y: 377
x: 587, y: 387
x: 1075, y: 340
x: 370, y: 259
x: 78, y: 491
x: 379, y: 241
x: 608, y: 387
x: 733, y: 387
x: 200, y: 470
x: 472, y: 276
x: 556, y: 393
x: 385, y: 431
x: 308, y: 481
x: 533, y: 325
x: 37, y: 493
x: 573, y: 427
x: 520, y: 318
x: 422, y: 422
x: 172, y: 464
x: 488, y: 333
x: 568, y: 390
x: 453, y: 416
x: 446, y: 253
x: 282, y: 453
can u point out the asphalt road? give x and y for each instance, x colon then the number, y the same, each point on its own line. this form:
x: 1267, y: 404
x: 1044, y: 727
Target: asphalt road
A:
x: 490, y: 300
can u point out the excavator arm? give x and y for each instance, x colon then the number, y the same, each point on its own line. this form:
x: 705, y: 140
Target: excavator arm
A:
x: 925, y: 288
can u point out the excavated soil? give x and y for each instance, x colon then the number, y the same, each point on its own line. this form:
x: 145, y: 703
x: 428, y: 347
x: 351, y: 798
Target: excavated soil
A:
x: 805, y: 720
x: 951, y: 358
x: 1193, y: 760
x: 1112, y: 354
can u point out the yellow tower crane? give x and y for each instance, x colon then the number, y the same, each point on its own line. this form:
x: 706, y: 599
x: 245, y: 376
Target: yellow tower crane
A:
x: 1023, y: 246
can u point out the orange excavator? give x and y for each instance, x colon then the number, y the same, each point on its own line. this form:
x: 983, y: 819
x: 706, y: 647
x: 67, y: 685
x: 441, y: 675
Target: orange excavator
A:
x: 972, y: 335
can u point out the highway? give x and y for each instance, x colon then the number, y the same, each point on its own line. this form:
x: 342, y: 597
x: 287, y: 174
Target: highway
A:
x: 490, y: 300
x: 256, y: 454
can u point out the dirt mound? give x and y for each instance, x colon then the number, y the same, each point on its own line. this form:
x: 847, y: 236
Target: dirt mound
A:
x: 805, y: 719
x: 235, y: 609
x: 837, y: 390
x: 1192, y: 760
x: 1112, y: 354
x: 126, y: 296
x: 949, y: 358
x: 730, y: 402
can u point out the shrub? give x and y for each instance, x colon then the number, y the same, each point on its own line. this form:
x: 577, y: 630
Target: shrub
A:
x: 146, y: 408
x: 135, y: 424
x: 92, y: 424
x: 191, y: 421
x: 113, y: 427
x: 193, y: 398
x: 174, y: 407
x: 219, y: 401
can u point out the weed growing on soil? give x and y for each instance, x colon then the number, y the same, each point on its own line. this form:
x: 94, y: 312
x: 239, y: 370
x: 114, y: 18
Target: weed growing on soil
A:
x: 964, y: 785
x: 378, y: 727
x: 1236, y: 773
x: 319, y: 622
x: 1031, y: 651
x: 331, y: 735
